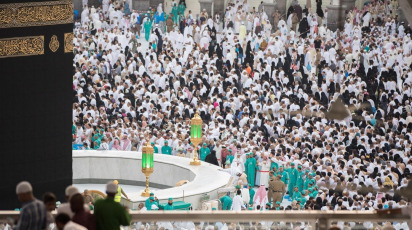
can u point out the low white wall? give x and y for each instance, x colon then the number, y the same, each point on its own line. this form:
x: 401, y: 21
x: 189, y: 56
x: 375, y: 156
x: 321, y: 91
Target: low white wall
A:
x: 101, y: 166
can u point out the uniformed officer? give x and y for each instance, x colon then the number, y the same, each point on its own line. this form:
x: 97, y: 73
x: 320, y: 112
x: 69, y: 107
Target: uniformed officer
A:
x: 277, y: 189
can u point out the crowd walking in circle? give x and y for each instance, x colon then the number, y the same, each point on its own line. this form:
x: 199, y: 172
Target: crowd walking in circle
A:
x: 267, y: 88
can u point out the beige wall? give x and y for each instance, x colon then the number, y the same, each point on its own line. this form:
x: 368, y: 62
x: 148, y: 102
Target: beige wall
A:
x: 194, y: 5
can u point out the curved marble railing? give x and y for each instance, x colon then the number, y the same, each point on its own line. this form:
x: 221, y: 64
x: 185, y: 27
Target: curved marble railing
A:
x: 291, y: 219
x: 91, y: 167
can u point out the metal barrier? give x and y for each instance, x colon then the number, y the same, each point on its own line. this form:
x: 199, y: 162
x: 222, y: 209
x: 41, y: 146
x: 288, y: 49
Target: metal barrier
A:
x: 321, y: 220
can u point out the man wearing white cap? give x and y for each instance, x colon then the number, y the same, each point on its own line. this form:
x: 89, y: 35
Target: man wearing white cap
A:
x: 65, y: 207
x: 110, y: 214
x: 279, y: 99
x: 33, y: 213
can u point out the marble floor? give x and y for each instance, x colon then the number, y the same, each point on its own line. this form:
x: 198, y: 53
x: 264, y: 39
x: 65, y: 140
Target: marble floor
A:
x: 134, y: 189
x: 102, y: 188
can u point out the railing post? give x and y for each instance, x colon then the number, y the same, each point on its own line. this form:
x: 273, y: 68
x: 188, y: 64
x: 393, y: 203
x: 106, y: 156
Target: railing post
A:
x: 323, y: 224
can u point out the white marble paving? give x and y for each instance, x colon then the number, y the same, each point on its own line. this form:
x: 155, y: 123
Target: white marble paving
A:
x: 168, y: 170
x: 102, y: 188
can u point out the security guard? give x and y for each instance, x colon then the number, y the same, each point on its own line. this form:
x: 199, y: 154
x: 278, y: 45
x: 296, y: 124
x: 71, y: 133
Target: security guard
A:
x: 277, y: 189
x: 293, y: 177
x: 156, y: 149
x: 166, y: 149
x: 226, y: 202
x: 151, y: 200
x: 300, y: 182
x: 119, y: 193
x: 169, y: 205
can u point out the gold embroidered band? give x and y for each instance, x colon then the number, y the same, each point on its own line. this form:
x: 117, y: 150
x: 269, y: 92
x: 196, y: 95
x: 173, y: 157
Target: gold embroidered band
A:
x: 68, y: 42
x: 22, y: 46
x: 36, y: 13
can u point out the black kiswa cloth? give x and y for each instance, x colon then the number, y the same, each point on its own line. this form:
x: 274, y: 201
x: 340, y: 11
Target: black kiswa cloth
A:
x: 41, y: 86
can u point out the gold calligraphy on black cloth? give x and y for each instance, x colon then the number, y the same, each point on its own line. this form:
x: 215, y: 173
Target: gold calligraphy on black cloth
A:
x: 54, y: 44
x: 23, y: 46
x: 36, y: 14
x: 68, y: 42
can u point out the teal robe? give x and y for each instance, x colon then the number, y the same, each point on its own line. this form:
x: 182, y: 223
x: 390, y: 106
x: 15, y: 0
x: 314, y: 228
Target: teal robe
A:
x: 314, y: 194
x: 296, y: 195
x: 252, y: 195
x: 306, y: 183
x: 97, y: 137
x: 274, y: 166
x: 284, y: 177
x: 226, y: 202
x: 230, y: 158
x: 204, y: 152
x: 166, y: 150
x: 302, y: 201
x: 96, y: 144
x: 174, y: 12
x: 246, y: 168
x: 156, y: 149
x: 147, y: 27
x: 149, y: 203
x: 293, y: 176
x: 250, y: 170
x: 299, y: 181
x: 181, y: 9
x: 168, y: 207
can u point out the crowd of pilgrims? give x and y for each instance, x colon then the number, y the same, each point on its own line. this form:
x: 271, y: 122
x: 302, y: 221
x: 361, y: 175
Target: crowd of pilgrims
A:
x: 267, y: 88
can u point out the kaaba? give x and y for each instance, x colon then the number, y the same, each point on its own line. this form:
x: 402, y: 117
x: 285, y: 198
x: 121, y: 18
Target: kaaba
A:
x: 36, y: 56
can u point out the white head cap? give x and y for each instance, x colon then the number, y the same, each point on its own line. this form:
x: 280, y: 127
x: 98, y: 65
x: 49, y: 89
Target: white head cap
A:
x: 23, y: 187
x: 111, y: 187
x: 70, y: 191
